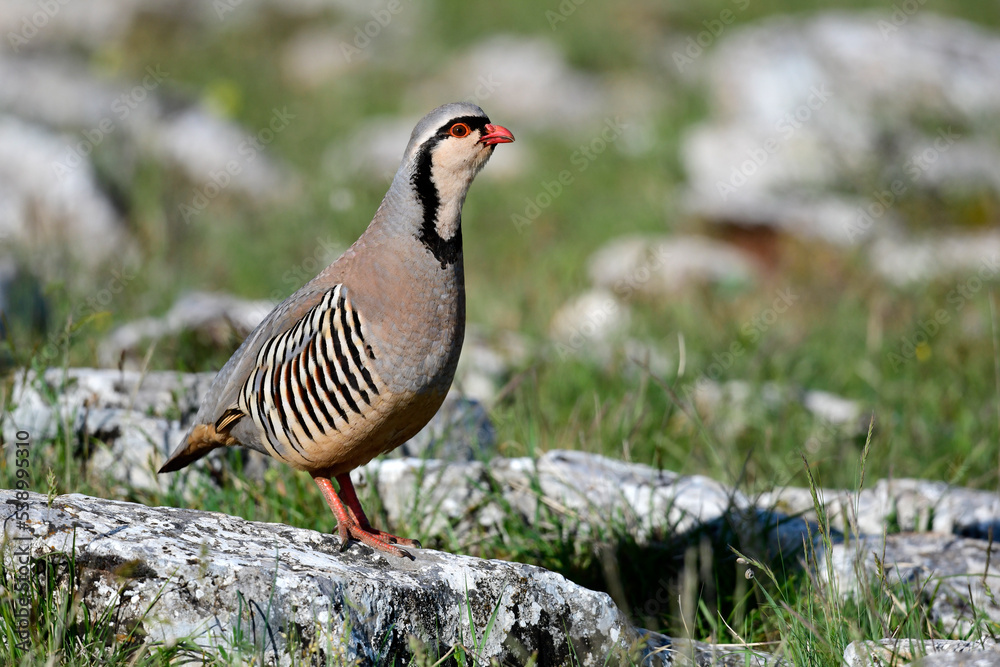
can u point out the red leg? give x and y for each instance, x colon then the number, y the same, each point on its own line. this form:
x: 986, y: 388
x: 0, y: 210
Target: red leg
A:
x: 354, y: 505
x: 353, y: 523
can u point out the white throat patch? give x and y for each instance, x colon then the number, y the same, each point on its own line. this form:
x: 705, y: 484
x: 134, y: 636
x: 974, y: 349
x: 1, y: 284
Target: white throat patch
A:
x: 452, y: 173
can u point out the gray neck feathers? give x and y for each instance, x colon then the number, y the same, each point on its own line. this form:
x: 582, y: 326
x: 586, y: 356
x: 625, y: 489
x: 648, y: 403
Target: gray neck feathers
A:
x: 413, y: 206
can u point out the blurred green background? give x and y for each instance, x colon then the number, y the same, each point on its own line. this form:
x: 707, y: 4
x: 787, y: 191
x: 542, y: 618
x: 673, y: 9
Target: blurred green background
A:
x: 937, y: 417
x: 686, y: 381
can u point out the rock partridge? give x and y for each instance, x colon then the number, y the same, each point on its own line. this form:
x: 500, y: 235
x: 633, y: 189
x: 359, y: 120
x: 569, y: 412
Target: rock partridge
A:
x: 357, y: 361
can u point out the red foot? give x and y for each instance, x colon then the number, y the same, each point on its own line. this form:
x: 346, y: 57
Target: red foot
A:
x: 352, y: 522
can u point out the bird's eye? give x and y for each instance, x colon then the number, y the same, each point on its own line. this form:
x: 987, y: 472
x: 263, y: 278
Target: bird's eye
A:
x: 459, y: 130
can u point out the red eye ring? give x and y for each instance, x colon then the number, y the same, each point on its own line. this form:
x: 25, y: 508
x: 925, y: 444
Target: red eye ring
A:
x: 459, y: 130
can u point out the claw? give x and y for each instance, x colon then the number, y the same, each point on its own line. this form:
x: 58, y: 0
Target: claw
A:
x: 352, y: 522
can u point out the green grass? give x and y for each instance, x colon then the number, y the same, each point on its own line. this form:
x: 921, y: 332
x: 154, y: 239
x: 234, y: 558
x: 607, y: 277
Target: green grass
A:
x: 936, y: 407
x: 686, y: 585
x: 63, y: 630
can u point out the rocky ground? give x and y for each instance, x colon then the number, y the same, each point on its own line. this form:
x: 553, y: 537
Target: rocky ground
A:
x: 205, y: 569
x: 177, y: 573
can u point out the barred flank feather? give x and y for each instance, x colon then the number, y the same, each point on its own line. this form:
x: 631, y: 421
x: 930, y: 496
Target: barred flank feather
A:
x: 312, y: 379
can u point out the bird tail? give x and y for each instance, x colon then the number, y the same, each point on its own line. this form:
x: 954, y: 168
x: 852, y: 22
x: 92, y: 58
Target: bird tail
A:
x: 200, y: 440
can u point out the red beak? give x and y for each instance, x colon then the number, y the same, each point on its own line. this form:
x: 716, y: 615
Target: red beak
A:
x: 496, y: 134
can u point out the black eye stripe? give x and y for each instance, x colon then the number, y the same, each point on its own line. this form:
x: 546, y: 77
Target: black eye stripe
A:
x: 474, y: 123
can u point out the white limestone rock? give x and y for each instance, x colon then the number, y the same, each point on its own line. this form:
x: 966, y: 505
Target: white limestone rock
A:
x: 203, y: 569
x: 948, y: 574
x: 658, y: 266
x: 594, y: 494
x: 914, y: 504
x: 923, y: 652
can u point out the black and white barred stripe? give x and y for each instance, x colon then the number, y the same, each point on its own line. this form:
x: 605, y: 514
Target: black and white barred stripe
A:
x: 313, y: 378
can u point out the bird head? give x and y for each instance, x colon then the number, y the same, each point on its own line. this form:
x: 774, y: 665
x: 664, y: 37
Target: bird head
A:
x: 447, y: 149
x: 454, y: 141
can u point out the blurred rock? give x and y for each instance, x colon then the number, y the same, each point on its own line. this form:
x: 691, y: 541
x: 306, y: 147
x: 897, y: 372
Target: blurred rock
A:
x: 65, y: 94
x: 486, y: 362
x: 525, y: 81
x: 139, y: 418
x: 947, y: 574
x: 588, y: 323
x: 220, y: 318
x: 217, y: 155
x: 652, y: 266
x: 934, y: 63
x: 806, y: 108
x: 963, y: 256
x: 127, y: 117
x: 28, y: 25
x: 731, y: 406
x: 935, y: 652
x: 832, y: 219
x: 912, y: 504
x: 460, y: 431
x: 51, y: 217
x: 313, y: 57
x: 153, y: 393
x: 832, y: 408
